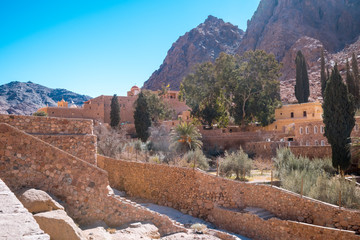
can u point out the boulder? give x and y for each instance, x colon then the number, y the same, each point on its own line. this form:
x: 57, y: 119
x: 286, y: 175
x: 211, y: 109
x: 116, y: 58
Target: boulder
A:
x: 37, y: 201
x: 59, y: 225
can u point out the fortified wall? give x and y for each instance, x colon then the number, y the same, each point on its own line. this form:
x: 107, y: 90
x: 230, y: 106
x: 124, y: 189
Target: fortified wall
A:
x: 28, y: 161
x: 222, y: 201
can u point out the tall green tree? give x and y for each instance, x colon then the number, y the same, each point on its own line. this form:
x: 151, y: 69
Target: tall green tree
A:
x: 158, y: 109
x: 114, y: 112
x: 356, y: 76
x: 142, y: 117
x: 338, y: 117
x: 350, y: 82
x: 257, y: 87
x: 323, y: 76
x: 302, y: 91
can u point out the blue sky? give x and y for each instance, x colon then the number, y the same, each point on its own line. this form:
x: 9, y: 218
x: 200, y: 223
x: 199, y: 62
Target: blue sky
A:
x: 99, y: 47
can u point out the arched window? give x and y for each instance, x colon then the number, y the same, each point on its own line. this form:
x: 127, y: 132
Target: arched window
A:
x: 316, y: 143
x: 301, y: 130
x: 322, y: 143
x: 315, y: 129
x: 307, y: 130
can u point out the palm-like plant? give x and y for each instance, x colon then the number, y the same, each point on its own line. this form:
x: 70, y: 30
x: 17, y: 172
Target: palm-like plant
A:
x: 185, y: 137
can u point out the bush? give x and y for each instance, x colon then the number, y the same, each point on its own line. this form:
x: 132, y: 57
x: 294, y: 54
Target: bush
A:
x: 40, y: 114
x: 196, y: 157
x: 237, y: 163
x: 110, y: 142
x: 318, y: 177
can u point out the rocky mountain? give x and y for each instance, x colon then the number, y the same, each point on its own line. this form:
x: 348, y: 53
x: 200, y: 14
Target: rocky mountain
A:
x: 25, y: 98
x: 201, y: 44
x: 279, y: 24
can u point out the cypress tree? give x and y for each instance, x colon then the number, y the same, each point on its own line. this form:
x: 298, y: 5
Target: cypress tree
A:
x: 350, y: 81
x: 142, y: 117
x: 339, y: 120
x: 114, y: 112
x: 323, y: 77
x: 356, y: 77
x: 302, y: 91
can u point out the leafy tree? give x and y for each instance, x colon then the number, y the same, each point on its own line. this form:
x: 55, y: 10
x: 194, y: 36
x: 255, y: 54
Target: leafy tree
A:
x: 158, y: 109
x: 142, y: 117
x: 40, y: 114
x: 356, y: 76
x: 194, y: 159
x: 185, y: 137
x: 323, y: 76
x: 257, y: 87
x: 339, y: 119
x: 237, y: 163
x: 302, y: 91
x: 232, y: 86
x: 114, y: 112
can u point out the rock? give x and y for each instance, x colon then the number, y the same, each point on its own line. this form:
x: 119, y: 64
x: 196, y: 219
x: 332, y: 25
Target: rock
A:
x: 201, y: 44
x: 58, y: 225
x: 37, y: 201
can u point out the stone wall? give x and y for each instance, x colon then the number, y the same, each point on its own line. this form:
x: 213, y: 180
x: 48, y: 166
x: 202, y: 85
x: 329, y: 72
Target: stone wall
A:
x: 81, y: 146
x: 197, y: 193
x: 263, y: 149
x: 274, y: 228
x: 74, y: 136
x: 311, y: 151
x: 26, y: 161
x: 48, y: 125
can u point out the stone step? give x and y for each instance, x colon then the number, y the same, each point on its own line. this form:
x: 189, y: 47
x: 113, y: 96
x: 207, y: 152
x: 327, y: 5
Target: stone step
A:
x: 260, y: 212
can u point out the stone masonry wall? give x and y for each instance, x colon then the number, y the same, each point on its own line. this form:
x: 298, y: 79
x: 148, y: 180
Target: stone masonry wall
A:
x: 257, y: 228
x: 311, y: 151
x: 48, y: 125
x: 197, y: 193
x: 26, y: 161
x: 74, y: 136
x: 81, y: 146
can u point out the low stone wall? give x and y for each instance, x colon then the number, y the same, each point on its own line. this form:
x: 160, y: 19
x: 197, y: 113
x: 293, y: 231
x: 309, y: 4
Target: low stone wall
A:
x: 48, y: 125
x: 257, y: 228
x: 81, y: 146
x: 263, y: 149
x: 196, y: 193
x: 312, y: 151
x: 26, y: 161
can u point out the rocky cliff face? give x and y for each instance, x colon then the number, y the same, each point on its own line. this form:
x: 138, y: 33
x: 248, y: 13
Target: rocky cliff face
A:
x: 25, y: 98
x: 201, y: 44
x: 280, y: 26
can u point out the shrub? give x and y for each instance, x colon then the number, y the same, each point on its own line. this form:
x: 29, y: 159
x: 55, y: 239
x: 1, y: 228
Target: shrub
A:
x: 110, y: 142
x: 195, y: 159
x: 237, y: 163
x: 40, y: 114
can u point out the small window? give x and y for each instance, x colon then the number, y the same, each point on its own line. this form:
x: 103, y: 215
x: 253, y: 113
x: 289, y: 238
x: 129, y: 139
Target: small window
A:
x: 322, y: 129
x: 173, y: 123
x: 280, y: 113
x: 307, y: 143
x: 304, y: 113
x: 322, y: 143
x: 230, y: 130
x: 301, y: 130
x: 315, y: 129
x: 275, y: 126
x: 307, y: 130
x: 290, y: 139
x: 52, y: 112
x: 292, y: 115
x: 316, y: 143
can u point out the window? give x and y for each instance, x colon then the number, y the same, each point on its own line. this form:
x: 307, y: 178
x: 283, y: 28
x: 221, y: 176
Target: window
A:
x: 315, y: 129
x: 307, y: 143
x: 292, y: 115
x: 280, y: 113
x: 322, y: 129
x: 301, y: 130
x: 275, y: 126
x: 307, y: 130
x: 322, y: 143
x: 316, y: 143
x: 304, y: 113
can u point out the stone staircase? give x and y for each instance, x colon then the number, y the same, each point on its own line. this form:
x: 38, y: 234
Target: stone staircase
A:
x: 260, y: 212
